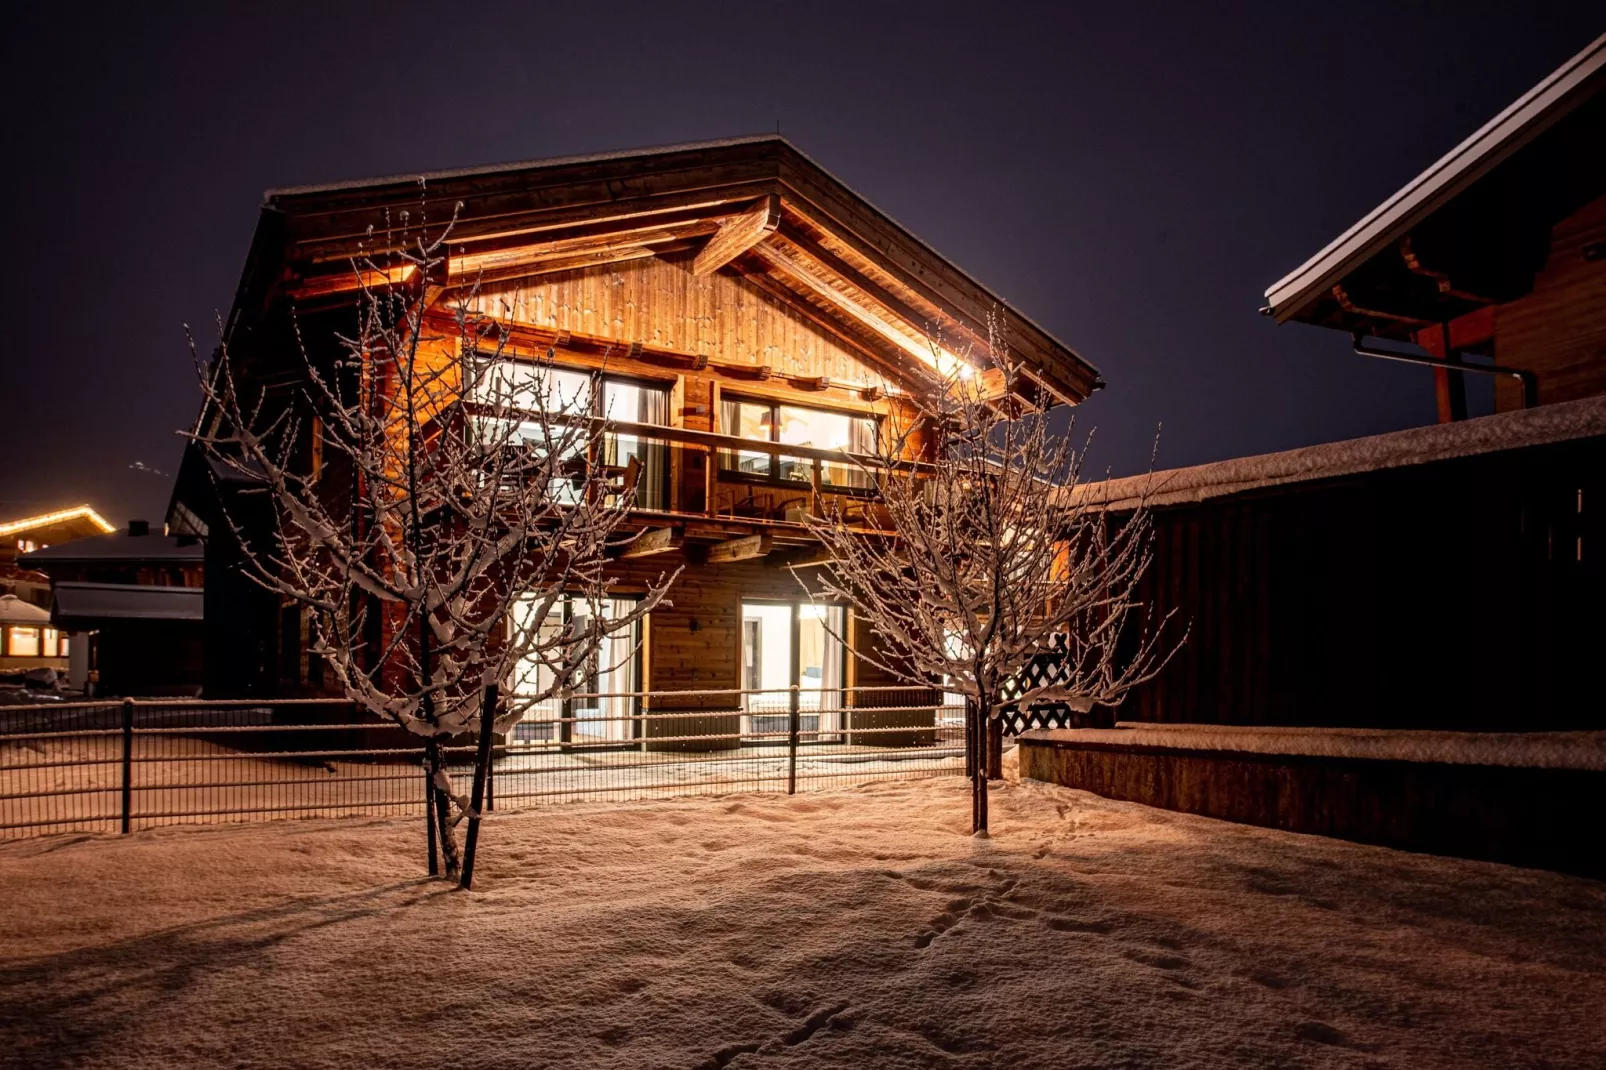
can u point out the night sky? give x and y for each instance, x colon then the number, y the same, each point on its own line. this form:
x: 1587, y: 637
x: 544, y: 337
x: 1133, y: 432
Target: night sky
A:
x: 1131, y: 176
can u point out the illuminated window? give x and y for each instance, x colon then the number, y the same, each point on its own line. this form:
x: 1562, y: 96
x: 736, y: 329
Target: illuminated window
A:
x: 24, y: 643
x: 794, y: 425
x: 567, y: 391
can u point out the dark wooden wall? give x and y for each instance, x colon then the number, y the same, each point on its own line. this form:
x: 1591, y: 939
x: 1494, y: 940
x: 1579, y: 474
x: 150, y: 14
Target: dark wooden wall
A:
x: 1464, y: 593
x: 1559, y: 330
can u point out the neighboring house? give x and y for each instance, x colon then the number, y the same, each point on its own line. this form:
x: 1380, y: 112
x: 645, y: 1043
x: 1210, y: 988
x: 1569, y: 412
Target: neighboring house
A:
x: 1446, y: 576
x: 753, y: 317
x: 27, y: 639
x: 132, y: 602
x: 1497, y: 251
x: 31, y: 533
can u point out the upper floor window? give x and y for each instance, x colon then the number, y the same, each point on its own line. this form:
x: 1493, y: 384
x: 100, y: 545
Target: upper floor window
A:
x: 539, y: 387
x: 795, y: 425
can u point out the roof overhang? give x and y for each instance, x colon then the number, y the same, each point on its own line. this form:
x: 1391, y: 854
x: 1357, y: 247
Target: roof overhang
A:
x: 86, y: 604
x: 1564, y: 92
x: 753, y: 206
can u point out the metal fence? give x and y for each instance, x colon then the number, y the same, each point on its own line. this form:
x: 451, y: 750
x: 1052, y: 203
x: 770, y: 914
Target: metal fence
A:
x: 118, y: 766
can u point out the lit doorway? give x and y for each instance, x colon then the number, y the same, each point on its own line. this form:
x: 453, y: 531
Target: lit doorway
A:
x: 786, y: 644
x: 602, y: 707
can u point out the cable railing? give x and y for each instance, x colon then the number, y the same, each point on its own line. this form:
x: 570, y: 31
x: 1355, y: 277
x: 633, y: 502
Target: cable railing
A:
x: 121, y: 766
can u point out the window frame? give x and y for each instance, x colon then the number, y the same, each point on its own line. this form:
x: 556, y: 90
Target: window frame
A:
x: 597, y: 403
x: 726, y: 457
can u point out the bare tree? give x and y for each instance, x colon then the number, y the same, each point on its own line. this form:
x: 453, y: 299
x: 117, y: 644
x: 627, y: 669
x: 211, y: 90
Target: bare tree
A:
x: 993, y: 561
x: 434, y: 502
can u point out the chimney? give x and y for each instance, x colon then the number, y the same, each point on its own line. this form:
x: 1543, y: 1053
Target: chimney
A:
x: 139, y: 527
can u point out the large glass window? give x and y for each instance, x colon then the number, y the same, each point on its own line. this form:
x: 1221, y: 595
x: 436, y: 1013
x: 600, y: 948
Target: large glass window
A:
x: 24, y: 643
x: 597, y: 706
x: 796, y: 425
x: 566, y: 391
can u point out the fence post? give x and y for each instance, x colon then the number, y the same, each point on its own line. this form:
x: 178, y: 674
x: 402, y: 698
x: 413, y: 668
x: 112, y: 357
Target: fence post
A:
x: 490, y: 781
x: 128, y: 764
x: 482, y: 764
x: 429, y: 818
x: 791, y: 742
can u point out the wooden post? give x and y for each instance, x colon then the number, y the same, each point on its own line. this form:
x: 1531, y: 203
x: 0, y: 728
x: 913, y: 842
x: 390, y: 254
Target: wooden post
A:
x: 128, y: 764
x: 482, y: 765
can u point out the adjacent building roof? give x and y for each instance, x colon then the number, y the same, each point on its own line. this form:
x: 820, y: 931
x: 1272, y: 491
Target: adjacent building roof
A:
x: 118, y: 546
x: 754, y: 205
x: 85, y: 603
x: 1547, y: 424
x: 79, y: 516
x: 1535, y: 162
x: 14, y: 610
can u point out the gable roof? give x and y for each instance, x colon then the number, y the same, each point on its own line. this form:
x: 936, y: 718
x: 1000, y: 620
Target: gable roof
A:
x: 1304, y: 292
x: 754, y: 205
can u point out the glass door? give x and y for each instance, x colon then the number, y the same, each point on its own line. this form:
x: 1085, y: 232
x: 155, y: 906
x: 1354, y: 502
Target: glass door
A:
x: 787, y: 644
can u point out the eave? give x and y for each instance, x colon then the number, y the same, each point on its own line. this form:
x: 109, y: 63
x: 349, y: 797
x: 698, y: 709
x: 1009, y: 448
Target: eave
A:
x: 754, y: 206
x: 1308, y: 292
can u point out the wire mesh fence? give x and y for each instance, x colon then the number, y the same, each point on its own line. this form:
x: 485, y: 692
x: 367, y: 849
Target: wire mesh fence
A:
x: 119, y: 766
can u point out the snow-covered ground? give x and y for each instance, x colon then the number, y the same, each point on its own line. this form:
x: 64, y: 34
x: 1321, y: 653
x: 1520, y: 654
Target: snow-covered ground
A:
x: 858, y: 927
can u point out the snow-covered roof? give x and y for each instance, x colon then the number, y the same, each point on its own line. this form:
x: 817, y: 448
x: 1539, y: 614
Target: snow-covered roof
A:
x: 118, y: 546
x: 1540, y: 426
x: 14, y: 610
x: 1525, y: 119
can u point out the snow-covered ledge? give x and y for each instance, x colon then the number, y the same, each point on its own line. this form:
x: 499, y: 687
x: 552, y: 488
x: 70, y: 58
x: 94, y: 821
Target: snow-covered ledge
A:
x: 1540, y: 750
x: 1541, y: 426
x: 1530, y: 799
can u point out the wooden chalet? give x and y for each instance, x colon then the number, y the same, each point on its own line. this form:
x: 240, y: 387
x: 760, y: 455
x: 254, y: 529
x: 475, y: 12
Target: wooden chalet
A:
x: 752, y: 317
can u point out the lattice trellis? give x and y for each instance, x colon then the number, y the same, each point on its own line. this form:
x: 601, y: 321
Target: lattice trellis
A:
x: 1045, y: 668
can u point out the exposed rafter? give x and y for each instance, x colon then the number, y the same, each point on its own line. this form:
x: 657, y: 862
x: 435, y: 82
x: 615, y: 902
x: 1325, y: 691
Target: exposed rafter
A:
x: 743, y: 549
x: 737, y: 235
x: 653, y: 541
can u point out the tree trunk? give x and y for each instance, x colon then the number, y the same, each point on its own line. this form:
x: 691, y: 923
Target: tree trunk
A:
x: 995, y: 748
x: 441, y: 811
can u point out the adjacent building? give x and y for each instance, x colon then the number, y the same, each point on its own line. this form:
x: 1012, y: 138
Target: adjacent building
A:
x: 129, y: 603
x: 1440, y: 577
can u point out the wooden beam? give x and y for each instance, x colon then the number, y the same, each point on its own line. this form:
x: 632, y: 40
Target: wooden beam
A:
x: 743, y: 549
x: 806, y: 559
x: 654, y: 541
x: 534, y: 256
x: 739, y: 234
x: 869, y: 346
x: 869, y: 314
x: 349, y: 280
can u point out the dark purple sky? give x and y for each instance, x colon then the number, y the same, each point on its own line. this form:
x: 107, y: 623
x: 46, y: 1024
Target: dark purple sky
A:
x: 1132, y: 176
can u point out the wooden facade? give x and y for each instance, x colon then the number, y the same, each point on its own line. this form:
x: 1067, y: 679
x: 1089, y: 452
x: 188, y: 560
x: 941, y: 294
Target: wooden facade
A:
x: 725, y: 272
x: 1428, y: 591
